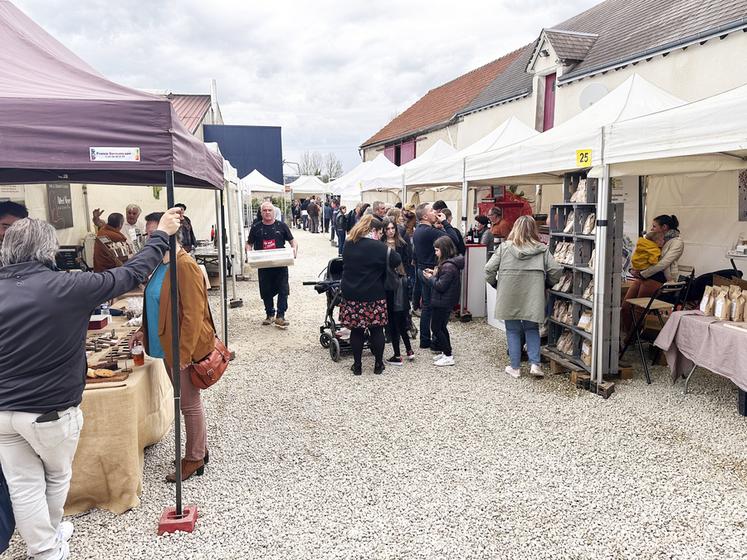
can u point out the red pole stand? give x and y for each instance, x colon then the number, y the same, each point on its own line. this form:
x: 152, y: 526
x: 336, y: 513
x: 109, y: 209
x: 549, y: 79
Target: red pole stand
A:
x: 170, y: 522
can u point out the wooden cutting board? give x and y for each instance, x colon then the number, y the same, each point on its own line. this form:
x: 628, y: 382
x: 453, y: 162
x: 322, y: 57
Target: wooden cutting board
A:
x: 120, y: 376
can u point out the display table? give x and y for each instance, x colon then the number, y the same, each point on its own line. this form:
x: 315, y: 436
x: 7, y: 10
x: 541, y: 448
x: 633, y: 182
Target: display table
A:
x: 691, y: 339
x: 120, y: 419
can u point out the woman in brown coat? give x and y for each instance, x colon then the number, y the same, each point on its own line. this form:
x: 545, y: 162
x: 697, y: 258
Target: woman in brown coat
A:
x: 196, y: 340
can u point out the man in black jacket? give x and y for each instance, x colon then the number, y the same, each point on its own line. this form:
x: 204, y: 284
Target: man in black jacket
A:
x: 423, y: 237
x: 43, y: 323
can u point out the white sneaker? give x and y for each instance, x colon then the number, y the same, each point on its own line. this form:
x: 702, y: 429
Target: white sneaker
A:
x: 65, y: 531
x: 438, y: 357
x: 445, y: 361
x: 536, y: 370
x: 64, y: 551
x: 515, y: 373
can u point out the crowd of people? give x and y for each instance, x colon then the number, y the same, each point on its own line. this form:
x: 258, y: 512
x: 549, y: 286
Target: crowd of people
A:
x: 397, y: 262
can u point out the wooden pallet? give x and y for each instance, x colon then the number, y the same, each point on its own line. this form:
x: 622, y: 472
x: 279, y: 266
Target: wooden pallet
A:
x: 578, y: 376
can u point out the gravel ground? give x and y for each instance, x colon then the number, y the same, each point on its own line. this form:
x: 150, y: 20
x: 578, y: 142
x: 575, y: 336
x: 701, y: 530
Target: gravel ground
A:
x: 308, y: 461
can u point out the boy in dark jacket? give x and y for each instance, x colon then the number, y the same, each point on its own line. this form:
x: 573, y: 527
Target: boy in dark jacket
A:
x: 446, y: 286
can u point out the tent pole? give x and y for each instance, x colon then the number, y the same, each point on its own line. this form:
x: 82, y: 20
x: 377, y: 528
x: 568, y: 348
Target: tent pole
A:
x: 222, y: 263
x: 465, y: 194
x: 601, y: 266
x: 175, y: 358
x: 232, y: 249
x: 242, y: 241
x: 404, y: 191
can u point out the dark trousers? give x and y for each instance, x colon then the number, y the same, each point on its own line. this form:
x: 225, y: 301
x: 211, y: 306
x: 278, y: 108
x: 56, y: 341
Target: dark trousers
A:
x: 341, y: 234
x: 439, y: 325
x: 282, y: 305
x: 326, y: 225
x: 314, y: 224
x: 397, y: 326
x: 375, y: 341
x: 425, y: 311
x: 417, y: 290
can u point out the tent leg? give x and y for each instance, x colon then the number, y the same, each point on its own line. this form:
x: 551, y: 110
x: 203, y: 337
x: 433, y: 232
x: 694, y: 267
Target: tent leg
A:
x: 222, y: 268
x: 178, y: 518
x: 601, y: 289
x: 465, y: 196
x: 232, y: 251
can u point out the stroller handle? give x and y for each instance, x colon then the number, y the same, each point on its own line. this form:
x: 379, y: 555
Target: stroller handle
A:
x: 310, y: 283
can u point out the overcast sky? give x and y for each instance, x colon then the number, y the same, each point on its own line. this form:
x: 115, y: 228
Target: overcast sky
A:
x: 330, y: 73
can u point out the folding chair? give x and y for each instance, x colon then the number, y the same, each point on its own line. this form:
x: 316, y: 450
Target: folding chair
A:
x: 672, y: 291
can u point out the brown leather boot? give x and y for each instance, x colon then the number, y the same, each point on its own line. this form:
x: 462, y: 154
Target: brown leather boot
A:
x: 188, y: 469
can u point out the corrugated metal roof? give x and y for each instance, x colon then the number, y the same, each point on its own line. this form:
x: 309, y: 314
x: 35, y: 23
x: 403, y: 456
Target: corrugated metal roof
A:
x: 441, y: 104
x: 191, y: 109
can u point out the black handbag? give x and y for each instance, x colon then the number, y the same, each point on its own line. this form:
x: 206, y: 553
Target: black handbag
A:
x: 391, y: 280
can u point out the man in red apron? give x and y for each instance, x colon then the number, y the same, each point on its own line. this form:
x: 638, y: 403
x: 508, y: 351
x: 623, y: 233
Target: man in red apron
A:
x: 272, y: 234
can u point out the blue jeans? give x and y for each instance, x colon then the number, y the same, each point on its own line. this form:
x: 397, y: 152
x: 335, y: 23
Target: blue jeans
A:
x: 282, y: 305
x: 340, y: 240
x: 532, y: 334
x: 425, y: 310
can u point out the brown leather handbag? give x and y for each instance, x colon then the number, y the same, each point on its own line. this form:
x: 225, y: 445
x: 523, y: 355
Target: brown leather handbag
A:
x: 211, y: 368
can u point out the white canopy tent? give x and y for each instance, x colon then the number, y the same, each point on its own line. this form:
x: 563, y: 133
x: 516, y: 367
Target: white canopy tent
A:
x: 546, y: 157
x: 397, y: 177
x: 348, y: 187
x: 450, y: 169
x: 704, y: 136
x: 700, y: 138
x: 307, y: 185
x: 255, y: 182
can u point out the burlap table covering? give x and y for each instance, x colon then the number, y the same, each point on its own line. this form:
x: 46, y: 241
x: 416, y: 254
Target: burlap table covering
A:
x: 120, y: 420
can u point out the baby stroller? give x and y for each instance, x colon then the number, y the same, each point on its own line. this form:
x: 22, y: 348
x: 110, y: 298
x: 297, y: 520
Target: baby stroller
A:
x: 332, y: 335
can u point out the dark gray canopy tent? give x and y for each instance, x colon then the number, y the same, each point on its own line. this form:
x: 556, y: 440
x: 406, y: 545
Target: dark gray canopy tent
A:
x: 60, y: 120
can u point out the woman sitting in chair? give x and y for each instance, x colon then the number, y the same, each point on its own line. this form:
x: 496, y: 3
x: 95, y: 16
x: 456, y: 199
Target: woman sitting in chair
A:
x: 664, y: 231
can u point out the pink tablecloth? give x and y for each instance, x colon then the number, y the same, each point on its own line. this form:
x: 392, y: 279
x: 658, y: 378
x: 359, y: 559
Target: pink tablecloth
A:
x: 690, y: 338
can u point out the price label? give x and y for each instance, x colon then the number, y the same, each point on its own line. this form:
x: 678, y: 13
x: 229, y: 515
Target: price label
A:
x: 583, y: 158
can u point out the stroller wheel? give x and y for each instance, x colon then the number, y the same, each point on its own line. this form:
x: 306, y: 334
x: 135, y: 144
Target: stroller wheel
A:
x: 324, y: 340
x: 334, y: 350
x: 413, y: 332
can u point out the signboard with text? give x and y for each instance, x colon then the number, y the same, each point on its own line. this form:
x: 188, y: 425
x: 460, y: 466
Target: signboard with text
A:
x: 59, y: 206
x: 114, y: 154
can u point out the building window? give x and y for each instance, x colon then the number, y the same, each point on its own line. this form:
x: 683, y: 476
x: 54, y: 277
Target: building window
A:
x: 548, y: 120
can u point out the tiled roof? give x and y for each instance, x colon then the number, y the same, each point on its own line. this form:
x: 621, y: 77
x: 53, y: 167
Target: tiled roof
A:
x: 191, y: 109
x: 514, y: 82
x: 440, y: 105
x: 625, y: 28
x: 630, y: 28
x: 570, y: 45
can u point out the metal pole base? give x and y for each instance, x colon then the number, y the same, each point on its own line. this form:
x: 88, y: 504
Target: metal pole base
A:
x: 170, y: 522
x: 237, y: 302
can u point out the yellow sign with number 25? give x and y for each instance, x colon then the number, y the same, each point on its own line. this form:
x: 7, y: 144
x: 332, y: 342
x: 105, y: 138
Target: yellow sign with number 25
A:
x: 583, y: 158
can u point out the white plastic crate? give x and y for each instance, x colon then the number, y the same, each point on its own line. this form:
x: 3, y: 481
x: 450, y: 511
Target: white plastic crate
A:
x: 271, y: 258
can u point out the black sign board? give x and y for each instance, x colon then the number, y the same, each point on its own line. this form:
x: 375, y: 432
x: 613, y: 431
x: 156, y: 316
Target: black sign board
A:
x: 59, y: 206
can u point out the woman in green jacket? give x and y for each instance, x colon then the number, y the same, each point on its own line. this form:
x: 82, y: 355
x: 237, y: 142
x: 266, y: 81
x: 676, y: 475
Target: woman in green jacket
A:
x: 519, y: 270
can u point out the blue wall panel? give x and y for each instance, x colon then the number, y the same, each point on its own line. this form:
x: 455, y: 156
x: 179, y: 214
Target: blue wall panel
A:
x: 249, y: 148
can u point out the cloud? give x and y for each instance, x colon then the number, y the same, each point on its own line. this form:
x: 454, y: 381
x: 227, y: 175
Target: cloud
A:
x: 331, y: 73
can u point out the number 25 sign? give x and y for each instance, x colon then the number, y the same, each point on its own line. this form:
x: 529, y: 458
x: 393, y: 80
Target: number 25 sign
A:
x: 583, y: 158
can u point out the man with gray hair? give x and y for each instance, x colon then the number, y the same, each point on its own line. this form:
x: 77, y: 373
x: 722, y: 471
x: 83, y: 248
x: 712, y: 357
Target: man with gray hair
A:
x: 43, y: 325
x: 378, y: 209
x: 272, y: 234
x: 132, y: 227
